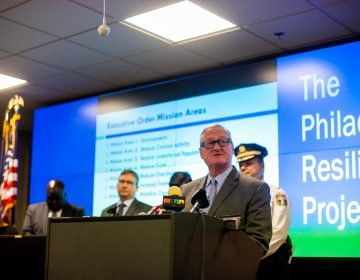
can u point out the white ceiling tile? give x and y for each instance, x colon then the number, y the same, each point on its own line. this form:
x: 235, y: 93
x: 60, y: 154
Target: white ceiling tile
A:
x: 122, y: 41
x: 75, y: 84
x: 300, y: 30
x: 120, y: 73
x: 58, y: 17
x: 344, y: 12
x: 26, y: 69
x: 172, y: 60
x: 66, y: 55
x: 232, y: 46
x: 321, y: 3
x: 8, y: 4
x: 125, y: 8
x: 245, y: 12
x: 4, y: 54
x: 17, y: 38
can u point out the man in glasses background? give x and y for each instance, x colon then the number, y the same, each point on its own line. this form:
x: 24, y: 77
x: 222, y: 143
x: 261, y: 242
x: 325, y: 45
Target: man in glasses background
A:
x: 127, y: 205
x: 230, y: 193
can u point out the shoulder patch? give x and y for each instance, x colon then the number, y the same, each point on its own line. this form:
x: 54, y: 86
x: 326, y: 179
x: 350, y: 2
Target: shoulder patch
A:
x: 281, y: 199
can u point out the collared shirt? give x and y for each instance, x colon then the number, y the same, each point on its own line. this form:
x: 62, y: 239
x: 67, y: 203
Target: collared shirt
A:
x: 54, y: 214
x: 127, y: 203
x: 280, y: 216
x: 219, y: 178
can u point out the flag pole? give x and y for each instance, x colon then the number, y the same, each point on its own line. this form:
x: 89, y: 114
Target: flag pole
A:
x: 9, y: 160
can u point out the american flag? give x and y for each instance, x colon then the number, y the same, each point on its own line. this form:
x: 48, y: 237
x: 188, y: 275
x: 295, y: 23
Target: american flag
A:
x: 9, y: 161
x: 8, y: 188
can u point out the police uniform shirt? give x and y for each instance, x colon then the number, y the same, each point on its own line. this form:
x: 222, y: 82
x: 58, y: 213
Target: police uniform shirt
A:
x: 280, y: 216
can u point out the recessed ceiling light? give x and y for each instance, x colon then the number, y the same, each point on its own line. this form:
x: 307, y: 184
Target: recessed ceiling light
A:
x: 7, y: 82
x: 179, y: 22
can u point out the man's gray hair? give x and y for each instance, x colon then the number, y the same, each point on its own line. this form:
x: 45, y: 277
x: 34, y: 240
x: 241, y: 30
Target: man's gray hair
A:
x: 213, y: 126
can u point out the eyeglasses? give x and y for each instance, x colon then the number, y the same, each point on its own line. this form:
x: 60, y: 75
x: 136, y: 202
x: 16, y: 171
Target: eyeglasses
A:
x: 126, y: 182
x: 223, y: 142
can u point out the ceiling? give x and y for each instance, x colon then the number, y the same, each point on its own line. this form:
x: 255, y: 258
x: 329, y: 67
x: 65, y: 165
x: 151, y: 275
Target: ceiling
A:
x: 54, y: 44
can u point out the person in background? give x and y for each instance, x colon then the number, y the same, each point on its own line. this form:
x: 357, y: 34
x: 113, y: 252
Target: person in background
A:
x: 179, y: 178
x: 127, y: 205
x: 229, y: 192
x: 275, y: 264
x: 36, y: 218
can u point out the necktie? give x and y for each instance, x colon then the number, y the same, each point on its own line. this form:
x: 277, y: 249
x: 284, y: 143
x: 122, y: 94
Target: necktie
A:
x: 120, y: 209
x: 212, y: 193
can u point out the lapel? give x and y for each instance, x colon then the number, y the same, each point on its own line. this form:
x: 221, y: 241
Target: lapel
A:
x: 132, y: 208
x: 44, y: 218
x: 193, y: 187
x: 200, y: 184
x: 228, y: 186
x: 65, y: 211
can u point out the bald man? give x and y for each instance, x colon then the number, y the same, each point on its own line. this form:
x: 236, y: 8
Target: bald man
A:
x: 36, y: 219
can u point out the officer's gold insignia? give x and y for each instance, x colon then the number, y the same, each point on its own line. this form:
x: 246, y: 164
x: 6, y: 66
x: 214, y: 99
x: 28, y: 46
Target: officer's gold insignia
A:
x: 281, y: 199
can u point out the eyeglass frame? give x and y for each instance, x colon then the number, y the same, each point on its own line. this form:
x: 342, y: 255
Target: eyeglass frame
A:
x: 126, y: 182
x: 213, y: 142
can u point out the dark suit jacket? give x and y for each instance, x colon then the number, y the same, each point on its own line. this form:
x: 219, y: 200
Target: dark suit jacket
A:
x: 135, y: 208
x: 242, y: 196
x: 36, y: 219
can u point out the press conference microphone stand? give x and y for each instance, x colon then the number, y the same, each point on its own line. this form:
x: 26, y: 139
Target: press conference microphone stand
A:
x: 195, y: 207
x: 199, y: 200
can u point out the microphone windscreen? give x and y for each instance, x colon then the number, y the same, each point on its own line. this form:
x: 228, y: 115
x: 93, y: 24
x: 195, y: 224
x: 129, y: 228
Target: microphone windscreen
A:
x: 112, y: 210
x: 200, y: 197
x: 174, y: 191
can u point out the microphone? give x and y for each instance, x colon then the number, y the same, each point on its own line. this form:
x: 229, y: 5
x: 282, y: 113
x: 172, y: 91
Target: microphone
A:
x: 174, y: 201
x: 199, y: 200
x: 112, y: 211
x: 156, y: 210
x: 171, y: 202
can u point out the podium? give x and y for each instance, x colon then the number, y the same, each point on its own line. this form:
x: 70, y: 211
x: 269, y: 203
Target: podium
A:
x: 22, y: 256
x: 170, y: 247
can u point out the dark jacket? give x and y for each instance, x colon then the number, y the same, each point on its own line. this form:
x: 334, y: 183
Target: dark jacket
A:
x: 135, y: 208
x: 242, y: 196
x: 36, y: 218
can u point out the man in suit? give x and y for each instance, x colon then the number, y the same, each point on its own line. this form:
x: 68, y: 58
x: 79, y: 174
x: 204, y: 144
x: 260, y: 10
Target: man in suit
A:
x: 36, y: 219
x: 275, y: 264
x: 229, y: 192
x: 127, y: 205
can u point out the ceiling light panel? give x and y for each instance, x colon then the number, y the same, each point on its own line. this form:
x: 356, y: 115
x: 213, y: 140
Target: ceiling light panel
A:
x: 181, y: 21
x: 7, y: 82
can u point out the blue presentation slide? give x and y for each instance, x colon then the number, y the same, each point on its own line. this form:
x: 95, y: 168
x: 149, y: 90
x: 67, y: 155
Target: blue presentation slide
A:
x: 319, y: 148
x: 157, y: 140
x: 308, y: 119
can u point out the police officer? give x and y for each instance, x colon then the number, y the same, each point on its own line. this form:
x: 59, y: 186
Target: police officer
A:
x: 275, y: 264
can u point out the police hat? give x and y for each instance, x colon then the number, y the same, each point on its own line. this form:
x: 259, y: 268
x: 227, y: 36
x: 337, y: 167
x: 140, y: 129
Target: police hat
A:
x: 248, y: 151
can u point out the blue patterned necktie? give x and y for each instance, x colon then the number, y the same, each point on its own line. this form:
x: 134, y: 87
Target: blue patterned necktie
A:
x: 212, y: 193
x: 120, y: 209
